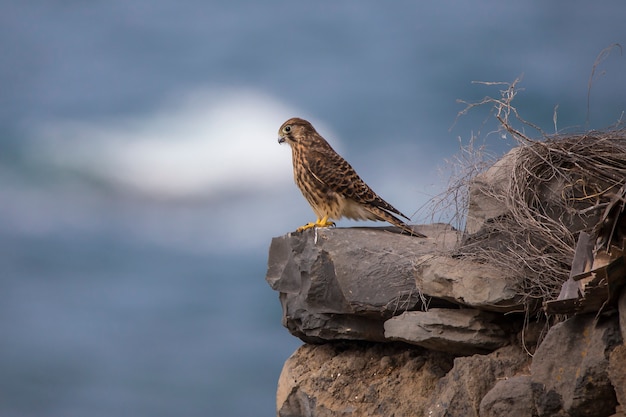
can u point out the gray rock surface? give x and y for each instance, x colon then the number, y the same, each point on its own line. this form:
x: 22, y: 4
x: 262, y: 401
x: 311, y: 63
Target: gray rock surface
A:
x: 461, y: 332
x: 509, y: 397
x: 487, y: 192
x: 569, y: 369
x: 460, y: 392
x: 466, y: 282
x: 344, y: 283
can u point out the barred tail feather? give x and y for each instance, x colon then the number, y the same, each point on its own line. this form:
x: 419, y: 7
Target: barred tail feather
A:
x: 390, y: 218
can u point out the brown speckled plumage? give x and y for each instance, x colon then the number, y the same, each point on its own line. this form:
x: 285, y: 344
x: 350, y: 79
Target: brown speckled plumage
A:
x: 328, y: 182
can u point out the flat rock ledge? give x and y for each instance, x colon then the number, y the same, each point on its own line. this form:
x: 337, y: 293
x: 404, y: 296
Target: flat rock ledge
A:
x: 460, y: 332
x: 344, y: 284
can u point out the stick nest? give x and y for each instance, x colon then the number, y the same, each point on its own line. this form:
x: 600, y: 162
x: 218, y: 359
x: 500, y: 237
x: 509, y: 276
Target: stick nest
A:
x: 551, y: 190
x: 556, y: 189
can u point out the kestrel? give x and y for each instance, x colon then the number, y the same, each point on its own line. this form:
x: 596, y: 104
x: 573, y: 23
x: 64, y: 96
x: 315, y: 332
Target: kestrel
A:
x: 328, y: 182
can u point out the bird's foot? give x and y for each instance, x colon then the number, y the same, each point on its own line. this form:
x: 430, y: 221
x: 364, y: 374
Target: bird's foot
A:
x: 324, y: 222
x: 306, y: 226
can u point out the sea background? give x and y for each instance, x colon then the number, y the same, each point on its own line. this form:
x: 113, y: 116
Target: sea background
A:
x: 141, y: 181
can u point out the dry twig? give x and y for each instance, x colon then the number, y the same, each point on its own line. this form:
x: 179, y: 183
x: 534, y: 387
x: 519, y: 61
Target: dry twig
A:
x: 559, y: 185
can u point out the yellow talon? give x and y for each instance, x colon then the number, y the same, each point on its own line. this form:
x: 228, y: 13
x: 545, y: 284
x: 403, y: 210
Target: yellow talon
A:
x: 324, y: 222
x: 306, y: 226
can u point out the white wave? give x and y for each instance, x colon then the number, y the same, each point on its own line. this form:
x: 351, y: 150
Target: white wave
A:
x: 200, y: 143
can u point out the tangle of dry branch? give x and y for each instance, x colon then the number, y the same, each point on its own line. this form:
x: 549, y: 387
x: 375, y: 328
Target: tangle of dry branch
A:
x: 558, y: 186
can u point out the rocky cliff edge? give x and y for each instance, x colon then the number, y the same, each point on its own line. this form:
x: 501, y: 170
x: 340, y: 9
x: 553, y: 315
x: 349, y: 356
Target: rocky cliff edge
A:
x: 400, y: 326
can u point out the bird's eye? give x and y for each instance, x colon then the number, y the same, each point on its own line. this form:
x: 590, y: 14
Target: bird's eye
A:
x: 287, y: 129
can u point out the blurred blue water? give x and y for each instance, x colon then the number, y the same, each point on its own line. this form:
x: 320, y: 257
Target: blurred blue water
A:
x: 96, y: 326
x: 117, y: 303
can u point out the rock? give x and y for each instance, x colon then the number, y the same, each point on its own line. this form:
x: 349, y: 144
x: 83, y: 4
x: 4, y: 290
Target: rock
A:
x: 466, y: 282
x: 617, y: 373
x: 490, y: 194
x: 344, y: 283
x: 569, y: 369
x: 461, y: 332
x: 487, y: 191
x: 509, y: 397
x: 358, y: 379
x: 460, y: 392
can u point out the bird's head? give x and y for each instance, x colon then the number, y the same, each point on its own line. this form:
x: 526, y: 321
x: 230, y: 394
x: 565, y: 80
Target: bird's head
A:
x: 295, y: 130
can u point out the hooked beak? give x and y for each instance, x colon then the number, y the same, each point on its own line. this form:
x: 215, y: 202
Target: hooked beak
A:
x: 281, y: 139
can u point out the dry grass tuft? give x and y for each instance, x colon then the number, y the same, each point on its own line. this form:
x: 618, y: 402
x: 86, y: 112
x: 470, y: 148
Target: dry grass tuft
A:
x: 559, y: 186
